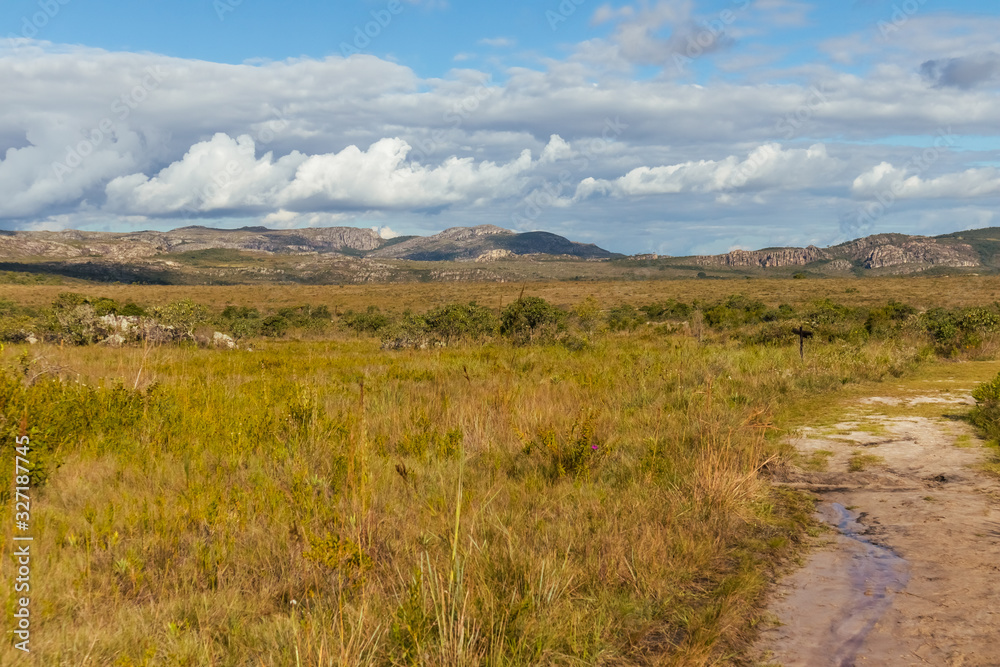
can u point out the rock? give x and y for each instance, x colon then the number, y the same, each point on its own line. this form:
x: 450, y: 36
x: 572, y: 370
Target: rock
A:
x: 766, y: 258
x: 494, y: 255
x: 114, y: 340
x: 30, y: 339
x: 220, y: 339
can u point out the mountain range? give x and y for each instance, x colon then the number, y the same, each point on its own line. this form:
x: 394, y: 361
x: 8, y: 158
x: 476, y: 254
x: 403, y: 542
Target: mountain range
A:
x: 346, y: 254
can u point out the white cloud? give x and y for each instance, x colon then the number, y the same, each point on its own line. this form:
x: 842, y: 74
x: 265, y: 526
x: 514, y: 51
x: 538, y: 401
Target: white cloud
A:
x: 766, y: 167
x: 224, y: 174
x: 556, y: 149
x: 384, y: 232
x: 885, y: 180
x: 498, y: 42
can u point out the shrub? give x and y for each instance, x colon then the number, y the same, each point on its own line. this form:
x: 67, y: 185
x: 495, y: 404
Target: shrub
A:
x: 456, y: 321
x: 184, y: 316
x: 624, y: 318
x: 370, y: 322
x: 588, y: 314
x: 986, y: 414
x: 274, y: 326
x: 525, y: 318
x: 735, y: 311
x: 667, y: 310
x: 574, y: 454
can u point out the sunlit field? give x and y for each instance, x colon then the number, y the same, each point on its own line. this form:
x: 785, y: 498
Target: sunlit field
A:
x: 553, y: 479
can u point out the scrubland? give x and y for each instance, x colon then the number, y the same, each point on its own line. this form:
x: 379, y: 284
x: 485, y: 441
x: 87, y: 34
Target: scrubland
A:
x: 554, y: 480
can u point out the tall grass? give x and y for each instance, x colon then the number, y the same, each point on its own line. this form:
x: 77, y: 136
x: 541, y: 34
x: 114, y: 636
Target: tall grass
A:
x: 331, y: 503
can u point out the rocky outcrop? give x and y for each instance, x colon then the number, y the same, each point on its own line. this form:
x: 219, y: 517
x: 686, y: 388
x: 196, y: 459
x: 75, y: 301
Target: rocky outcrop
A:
x: 894, y: 253
x: 494, y: 255
x: 921, y: 253
x: 765, y: 258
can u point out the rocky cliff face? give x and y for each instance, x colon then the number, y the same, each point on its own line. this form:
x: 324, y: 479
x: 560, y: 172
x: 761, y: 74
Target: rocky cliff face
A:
x: 765, y: 258
x: 881, y: 251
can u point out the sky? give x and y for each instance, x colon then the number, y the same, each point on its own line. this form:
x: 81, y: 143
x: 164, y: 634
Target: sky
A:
x: 670, y: 126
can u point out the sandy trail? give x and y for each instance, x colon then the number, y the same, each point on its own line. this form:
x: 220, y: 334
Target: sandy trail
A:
x: 912, y: 576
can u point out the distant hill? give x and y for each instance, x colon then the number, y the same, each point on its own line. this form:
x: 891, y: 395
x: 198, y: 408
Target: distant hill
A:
x: 203, y: 255
x: 876, y: 255
x: 483, y: 243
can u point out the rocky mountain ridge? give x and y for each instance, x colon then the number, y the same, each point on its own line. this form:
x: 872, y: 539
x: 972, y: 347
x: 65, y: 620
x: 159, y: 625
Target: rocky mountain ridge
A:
x: 202, y: 255
x: 897, y: 253
x: 483, y: 243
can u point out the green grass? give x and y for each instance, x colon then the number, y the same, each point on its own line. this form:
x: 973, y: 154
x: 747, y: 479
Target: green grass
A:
x: 860, y: 461
x: 817, y: 461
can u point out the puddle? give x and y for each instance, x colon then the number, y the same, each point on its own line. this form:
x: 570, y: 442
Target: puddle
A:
x: 875, y: 575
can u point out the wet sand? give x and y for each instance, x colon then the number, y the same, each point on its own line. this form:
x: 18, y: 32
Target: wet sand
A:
x: 910, y: 574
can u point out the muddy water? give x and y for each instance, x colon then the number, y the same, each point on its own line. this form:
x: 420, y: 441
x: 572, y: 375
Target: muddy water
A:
x: 829, y: 608
x: 875, y: 573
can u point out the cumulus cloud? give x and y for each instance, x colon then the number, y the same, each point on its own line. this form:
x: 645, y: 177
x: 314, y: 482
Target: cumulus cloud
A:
x: 223, y: 175
x: 885, y: 180
x: 766, y: 167
x: 556, y: 149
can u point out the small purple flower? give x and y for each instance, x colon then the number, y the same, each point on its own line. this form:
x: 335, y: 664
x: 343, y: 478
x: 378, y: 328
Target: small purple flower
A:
x: 594, y: 447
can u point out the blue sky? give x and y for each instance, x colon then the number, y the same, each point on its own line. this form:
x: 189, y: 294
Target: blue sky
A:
x: 674, y: 126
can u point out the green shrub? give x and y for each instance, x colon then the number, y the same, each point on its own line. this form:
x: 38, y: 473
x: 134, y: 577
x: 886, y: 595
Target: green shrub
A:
x: 524, y: 319
x: 667, y: 310
x: 370, y: 321
x: 986, y: 414
x: 457, y: 321
x: 735, y: 311
x: 624, y: 318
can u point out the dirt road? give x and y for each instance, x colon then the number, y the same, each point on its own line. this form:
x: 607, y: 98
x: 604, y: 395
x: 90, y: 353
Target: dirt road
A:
x: 910, y: 572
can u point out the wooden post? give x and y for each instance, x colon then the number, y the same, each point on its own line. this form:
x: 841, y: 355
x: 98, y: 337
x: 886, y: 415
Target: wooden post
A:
x: 802, y: 333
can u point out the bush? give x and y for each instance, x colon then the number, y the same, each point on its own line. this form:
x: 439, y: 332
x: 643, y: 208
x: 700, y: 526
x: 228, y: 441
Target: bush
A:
x: 274, y: 326
x: 986, y: 414
x: 955, y: 330
x: 529, y: 316
x: 184, y: 316
x: 241, y: 321
x: 888, y: 319
x: 624, y: 318
x: 456, y: 321
x: 735, y: 311
x: 667, y: 310
x: 370, y: 322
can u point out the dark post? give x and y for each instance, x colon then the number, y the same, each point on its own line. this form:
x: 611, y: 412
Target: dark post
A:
x: 802, y: 333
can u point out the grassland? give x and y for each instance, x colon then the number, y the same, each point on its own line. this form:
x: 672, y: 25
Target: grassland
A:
x: 918, y: 291
x: 320, y: 500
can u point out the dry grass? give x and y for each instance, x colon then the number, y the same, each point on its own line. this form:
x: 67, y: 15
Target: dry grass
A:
x: 327, y: 502
x: 917, y: 291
